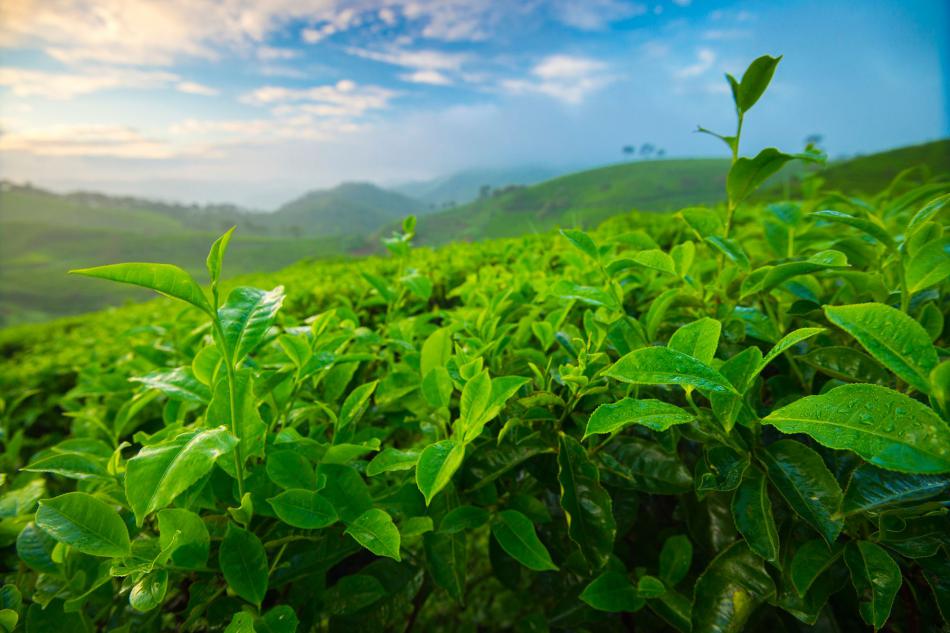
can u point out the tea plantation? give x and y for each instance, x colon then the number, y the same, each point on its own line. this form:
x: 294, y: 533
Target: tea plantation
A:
x: 721, y: 419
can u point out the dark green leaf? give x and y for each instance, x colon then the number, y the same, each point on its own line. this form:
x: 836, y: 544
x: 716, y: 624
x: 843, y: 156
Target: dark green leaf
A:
x: 515, y: 533
x: 752, y: 512
x: 303, y: 509
x: 84, y: 522
x: 612, y: 592
x: 243, y: 562
x: 876, y: 578
x: 587, y: 506
x: 734, y: 584
x: 653, y: 414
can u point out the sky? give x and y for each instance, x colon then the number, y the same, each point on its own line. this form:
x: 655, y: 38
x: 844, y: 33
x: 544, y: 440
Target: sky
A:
x: 256, y: 101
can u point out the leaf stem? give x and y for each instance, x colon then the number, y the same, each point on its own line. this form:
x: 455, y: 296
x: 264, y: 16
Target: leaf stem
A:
x: 229, y: 368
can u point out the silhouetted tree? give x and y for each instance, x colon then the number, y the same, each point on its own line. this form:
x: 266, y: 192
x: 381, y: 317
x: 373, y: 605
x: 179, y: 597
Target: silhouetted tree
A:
x: 646, y: 150
x: 629, y: 150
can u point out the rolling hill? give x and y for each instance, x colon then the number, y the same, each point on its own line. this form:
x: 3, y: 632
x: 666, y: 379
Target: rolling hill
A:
x: 581, y: 199
x: 43, y: 234
x: 464, y: 186
x: 348, y: 209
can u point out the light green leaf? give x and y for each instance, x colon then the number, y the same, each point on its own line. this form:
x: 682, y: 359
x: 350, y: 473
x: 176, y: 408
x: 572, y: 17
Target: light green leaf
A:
x: 166, y: 279
x: 515, y: 533
x: 84, y: 522
x: 582, y: 241
x: 391, y: 459
x: 664, y: 366
x: 731, y: 249
x: 437, y: 463
x: 587, y: 506
x: 355, y: 405
x: 436, y: 350
x: 806, y: 484
x: 178, y: 384
x: 303, y: 509
x: 245, y: 318
x: 159, y: 473
x: 290, y: 469
x: 788, y: 341
x: 876, y: 578
x: 885, y: 427
x: 896, y: 340
x: 243, y: 562
x: 929, y: 266
x: 216, y: 256
x: 698, y: 339
x: 375, y: 530
x: 653, y: 414
x: 566, y: 289
x: 655, y: 259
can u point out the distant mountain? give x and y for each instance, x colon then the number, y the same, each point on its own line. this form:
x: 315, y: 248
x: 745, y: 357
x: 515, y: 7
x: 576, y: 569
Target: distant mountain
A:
x: 351, y: 208
x: 466, y: 186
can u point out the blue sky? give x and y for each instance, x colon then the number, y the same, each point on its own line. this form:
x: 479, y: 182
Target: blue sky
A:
x: 257, y: 101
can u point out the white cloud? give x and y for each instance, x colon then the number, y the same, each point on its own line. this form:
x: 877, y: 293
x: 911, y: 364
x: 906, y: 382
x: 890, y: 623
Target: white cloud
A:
x: 418, y: 59
x: 431, y: 77
x: 192, y: 88
x: 272, y: 53
x: 705, y: 58
x: 88, y: 140
x: 564, y: 77
x: 61, y: 86
x: 596, y: 15
x: 726, y: 34
x: 344, y: 99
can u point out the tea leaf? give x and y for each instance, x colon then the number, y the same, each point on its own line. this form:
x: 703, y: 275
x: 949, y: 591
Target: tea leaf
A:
x: 244, y: 564
x: 587, y: 506
x: 166, y: 279
x: 82, y: 521
x: 653, y: 414
x: 876, y: 578
x: 374, y: 530
x: 515, y: 533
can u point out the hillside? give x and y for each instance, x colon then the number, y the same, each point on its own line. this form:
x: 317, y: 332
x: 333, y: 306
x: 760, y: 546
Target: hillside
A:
x: 350, y: 208
x: 867, y: 175
x: 582, y: 199
x: 465, y: 186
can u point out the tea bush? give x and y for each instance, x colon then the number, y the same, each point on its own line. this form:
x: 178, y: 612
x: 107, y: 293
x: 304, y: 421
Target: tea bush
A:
x: 719, y: 420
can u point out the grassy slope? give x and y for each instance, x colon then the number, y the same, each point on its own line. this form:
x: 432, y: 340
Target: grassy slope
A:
x: 583, y: 199
x: 866, y: 174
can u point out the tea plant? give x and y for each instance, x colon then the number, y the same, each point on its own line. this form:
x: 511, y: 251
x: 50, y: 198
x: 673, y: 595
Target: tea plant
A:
x: 719, y: 420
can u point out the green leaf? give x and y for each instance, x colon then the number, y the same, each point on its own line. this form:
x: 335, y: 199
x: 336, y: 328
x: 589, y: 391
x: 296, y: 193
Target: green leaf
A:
x: 437, y: 387
x: 463, y: 518
x: 872, y: 489
x: 731, y: 249
x: 280, y: 619
x: 657, y: 311
x: 811, y: 560
x: 886, y: 428
x: 85, y: 523
x: 437, y: 463
x: 245, y: 318
x: 375, y: 530
x: 876, y: 578
x: 391, y: 459
x: 355, y: 405
x: 184, y: 530
x: 630, y: 462
x: 582, y: 241
x: 247, y: 425
x: 515, y: 533
x: 476, y: 398
x: 346, y: 490
x: 746, y: 174
x: 178, y: 384
x: 243, y: 562
x: 867, y: 225
x: 775, y: 276
x: 896, y: 340
x: 166, y: 279
x: 788, y: 341
x: 655, y: 259
x: 447, y: 558
x: 216, y: 256
x: 587, y: 506
x: 303, y: 509
x: 159, y: 473
x: 290, y: 469
x: 752, y: 512
x: 676, y: 557
x: 846, y: 363
x: 612, y: 592
x: 698, y: 339
x: 664, y: 366
x: 436, y: 350
x: 803, y: 480
x: 929, y: 266
x: 755, y: 80
x: 149, y: 592
x: 653, y: 414
x: 733, y: 585
x: 566, y: 289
